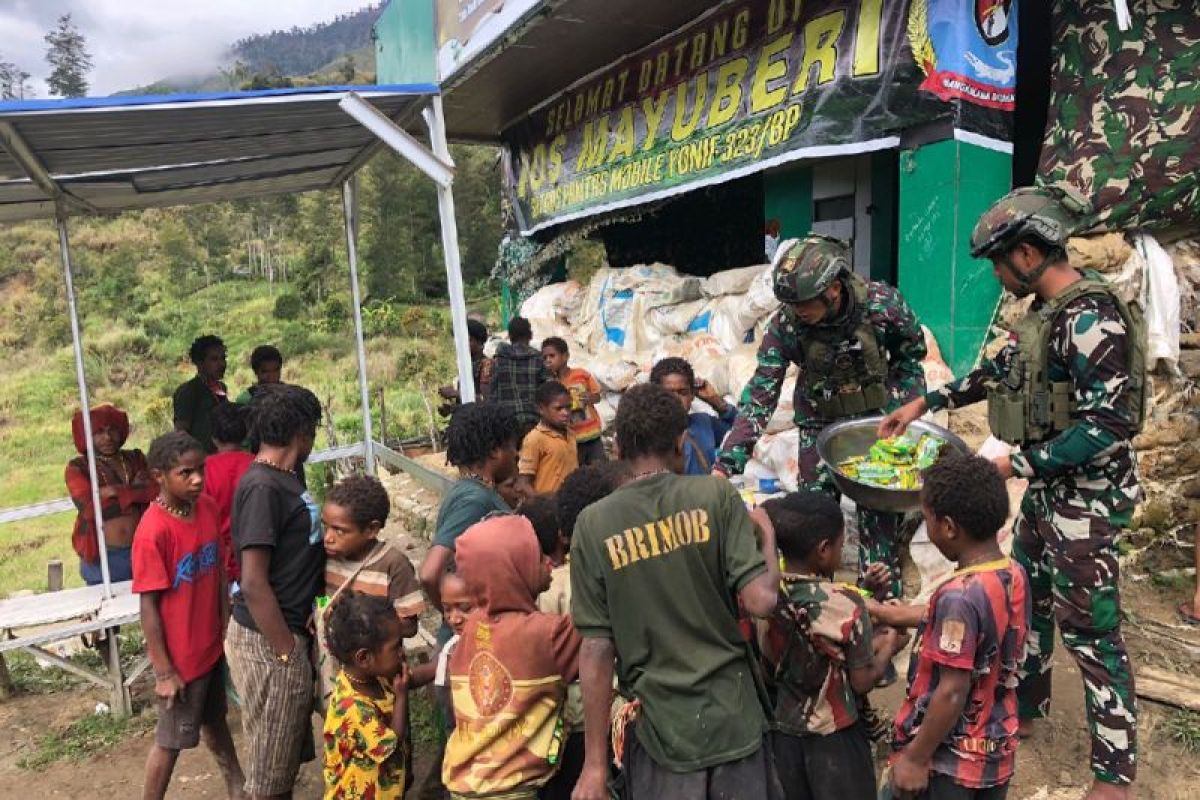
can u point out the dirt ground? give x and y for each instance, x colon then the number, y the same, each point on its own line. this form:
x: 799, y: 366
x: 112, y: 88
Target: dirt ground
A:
x: 1053, y: 765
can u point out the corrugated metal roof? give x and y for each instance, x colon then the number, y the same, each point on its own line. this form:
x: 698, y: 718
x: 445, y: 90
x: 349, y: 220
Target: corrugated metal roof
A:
x: 562, y: 42
x: 112, y: 154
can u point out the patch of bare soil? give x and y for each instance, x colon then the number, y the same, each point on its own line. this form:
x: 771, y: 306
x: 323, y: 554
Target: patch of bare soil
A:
x: 118, y: 772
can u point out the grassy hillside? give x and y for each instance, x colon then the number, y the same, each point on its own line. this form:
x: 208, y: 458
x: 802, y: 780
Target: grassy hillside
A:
x: 137, y: 371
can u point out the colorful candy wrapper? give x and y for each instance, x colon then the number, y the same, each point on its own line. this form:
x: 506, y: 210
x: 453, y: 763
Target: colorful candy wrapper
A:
x: 894, y: 463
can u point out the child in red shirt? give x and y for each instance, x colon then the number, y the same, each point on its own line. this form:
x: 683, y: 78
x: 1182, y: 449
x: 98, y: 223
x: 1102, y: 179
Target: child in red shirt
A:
x: 177, y: 570
x: 223, y: 470
x: 956, y: 733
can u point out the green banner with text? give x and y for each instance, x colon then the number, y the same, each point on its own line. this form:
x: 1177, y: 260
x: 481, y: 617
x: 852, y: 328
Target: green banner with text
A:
x: 756, y: 83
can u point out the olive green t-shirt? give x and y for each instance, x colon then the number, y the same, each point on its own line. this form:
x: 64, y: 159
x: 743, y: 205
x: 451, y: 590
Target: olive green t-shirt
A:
x: 656, y: 567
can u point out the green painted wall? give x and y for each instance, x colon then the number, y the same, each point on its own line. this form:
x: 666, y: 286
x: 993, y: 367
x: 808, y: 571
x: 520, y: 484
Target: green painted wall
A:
x: 787, y: 197
x: 404, y: 43
x: 944, y: 188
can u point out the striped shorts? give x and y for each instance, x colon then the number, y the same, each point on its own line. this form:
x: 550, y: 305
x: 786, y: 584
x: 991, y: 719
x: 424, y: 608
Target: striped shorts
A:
x: 277, y: 707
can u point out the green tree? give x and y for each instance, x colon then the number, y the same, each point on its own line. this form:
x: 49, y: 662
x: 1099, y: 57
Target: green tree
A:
x: 236, y: 75
x: 318, y: 271
x: 477, y: 208
x: 399, y: 223
x: 14, y: 82
x: 269, y: 78
x: 67, y: 54
x: 184, y: 262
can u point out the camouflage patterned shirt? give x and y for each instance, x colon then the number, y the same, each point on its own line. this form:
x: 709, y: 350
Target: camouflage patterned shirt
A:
x: 899, y: 336
x: 1088, y: 348
x: 814, y: 695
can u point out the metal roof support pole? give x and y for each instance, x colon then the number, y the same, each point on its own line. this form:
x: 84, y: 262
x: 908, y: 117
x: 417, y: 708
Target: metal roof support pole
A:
x: 436, y: 121
x: 350, y: 210
x: 64, y: 251
x: 440, y: 169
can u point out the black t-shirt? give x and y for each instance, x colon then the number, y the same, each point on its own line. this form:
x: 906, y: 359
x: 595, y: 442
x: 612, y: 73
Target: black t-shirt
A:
x: 273, y: 509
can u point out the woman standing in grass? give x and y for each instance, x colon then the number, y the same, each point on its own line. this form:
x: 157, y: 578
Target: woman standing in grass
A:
x: 126, y: 488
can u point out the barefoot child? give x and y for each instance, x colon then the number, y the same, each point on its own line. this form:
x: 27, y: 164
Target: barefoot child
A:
x: 366, y: 730
x: 955, y: 736
x: 824, y: 656
x: 548, y: 452
x: 177, y: 570
x: 356, y: 560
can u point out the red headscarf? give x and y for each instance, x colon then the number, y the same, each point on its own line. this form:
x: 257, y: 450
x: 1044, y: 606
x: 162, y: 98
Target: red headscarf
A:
x: 105, y: 416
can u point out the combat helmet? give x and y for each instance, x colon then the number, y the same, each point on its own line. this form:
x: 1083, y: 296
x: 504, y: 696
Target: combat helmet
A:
x: 804, y: 268
x: 1047, y: 212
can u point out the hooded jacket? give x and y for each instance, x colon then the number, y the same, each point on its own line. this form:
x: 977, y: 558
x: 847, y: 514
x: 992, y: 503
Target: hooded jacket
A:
x: 509, y: 672
x: 127, y: 472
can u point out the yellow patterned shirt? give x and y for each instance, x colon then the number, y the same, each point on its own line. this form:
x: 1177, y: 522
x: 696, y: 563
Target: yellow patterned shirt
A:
x: 364, y: 758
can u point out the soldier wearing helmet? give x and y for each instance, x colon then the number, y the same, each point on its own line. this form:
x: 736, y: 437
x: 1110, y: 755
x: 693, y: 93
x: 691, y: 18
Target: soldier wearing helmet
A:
x: 859, y: 350
x: 1068, y: 394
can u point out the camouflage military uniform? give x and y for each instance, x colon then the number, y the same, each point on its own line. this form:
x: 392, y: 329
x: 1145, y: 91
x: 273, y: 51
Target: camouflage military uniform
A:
x: 1121, y: 127
x: 899, y: 335
x: 1083, y: 486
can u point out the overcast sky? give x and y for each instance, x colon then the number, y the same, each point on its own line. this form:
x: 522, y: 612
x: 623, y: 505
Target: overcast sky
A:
x: 136, y: 42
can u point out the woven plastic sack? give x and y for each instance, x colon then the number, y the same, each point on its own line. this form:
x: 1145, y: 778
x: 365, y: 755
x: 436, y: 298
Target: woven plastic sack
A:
x: 732, y: 281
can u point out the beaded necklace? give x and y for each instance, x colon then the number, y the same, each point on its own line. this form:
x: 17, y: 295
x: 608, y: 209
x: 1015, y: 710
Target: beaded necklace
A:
x: 172, y: 510
x: 266, y: 462
x: 118, y: 465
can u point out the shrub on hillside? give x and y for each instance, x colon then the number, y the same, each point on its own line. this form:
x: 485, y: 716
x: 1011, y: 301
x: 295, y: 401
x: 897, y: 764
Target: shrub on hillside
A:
x: 289, y: 306
x: 336, y: 314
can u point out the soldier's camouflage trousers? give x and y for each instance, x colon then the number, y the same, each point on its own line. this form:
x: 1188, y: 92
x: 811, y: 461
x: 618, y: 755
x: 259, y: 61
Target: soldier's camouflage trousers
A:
x: 1067, y: 547
x: 877, y: 531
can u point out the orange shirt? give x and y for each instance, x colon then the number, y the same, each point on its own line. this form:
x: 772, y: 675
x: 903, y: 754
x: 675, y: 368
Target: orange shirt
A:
x: 585, y: 420
x: 548, y: 456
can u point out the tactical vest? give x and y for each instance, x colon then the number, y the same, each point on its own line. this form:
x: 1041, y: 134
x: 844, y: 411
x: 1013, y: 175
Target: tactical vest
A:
x: 1025, y: 406
x: 845, y: 369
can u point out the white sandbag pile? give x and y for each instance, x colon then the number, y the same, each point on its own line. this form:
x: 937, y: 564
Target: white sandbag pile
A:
x: 626, y: 320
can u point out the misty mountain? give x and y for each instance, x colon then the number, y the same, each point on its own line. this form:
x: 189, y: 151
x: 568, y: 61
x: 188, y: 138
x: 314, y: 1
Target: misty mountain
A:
x: 301, y: 51
x: 335, y: 52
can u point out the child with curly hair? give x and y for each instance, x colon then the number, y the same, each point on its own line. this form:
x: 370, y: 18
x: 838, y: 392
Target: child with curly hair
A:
x: 366, y: 726
x: 357, y: 560
x: 956, y: 732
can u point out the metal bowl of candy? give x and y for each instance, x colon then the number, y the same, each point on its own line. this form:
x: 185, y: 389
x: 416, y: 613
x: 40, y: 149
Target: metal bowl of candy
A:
x: 883, y: 474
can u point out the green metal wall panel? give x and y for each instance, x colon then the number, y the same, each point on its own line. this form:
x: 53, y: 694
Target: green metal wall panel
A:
x: 944, y: 188
x: 405, y: 49
x: 787, y: 197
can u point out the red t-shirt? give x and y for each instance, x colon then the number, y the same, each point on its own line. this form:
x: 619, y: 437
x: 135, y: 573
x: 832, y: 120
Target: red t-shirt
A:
x: 181, y: 559
x: 222, y: 471
x: 977, y: 620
